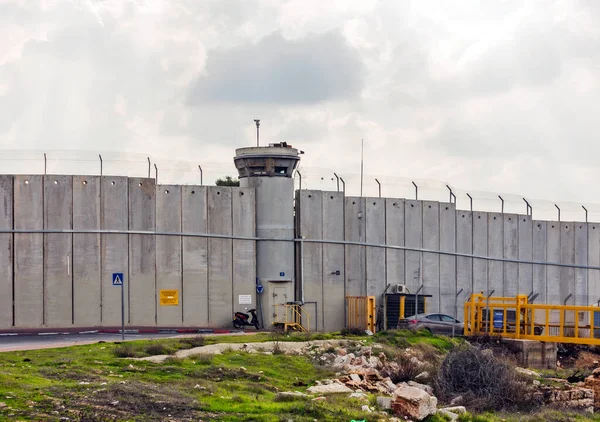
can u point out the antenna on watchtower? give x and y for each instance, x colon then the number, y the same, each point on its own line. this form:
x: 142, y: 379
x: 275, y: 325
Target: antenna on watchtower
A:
x: 257, y: 121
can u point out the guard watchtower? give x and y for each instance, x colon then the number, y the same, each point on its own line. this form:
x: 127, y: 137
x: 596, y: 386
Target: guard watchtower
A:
x: 269, y: 170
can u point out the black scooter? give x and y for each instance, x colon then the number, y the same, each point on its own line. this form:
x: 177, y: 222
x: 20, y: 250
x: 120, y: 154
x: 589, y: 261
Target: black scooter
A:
x: 241, y: 319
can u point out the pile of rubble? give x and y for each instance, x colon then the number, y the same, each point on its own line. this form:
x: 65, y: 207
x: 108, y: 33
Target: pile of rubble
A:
x: 593, y: 383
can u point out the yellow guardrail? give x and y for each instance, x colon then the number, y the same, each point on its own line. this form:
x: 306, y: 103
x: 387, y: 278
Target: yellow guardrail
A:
x: 515, y: 317
x: 292, y: 316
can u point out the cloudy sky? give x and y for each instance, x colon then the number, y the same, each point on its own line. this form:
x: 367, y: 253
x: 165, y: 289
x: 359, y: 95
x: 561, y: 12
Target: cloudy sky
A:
x: 496, y: 96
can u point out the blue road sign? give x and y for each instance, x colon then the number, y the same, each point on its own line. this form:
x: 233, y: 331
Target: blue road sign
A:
x: 282, y: 274
x: 117, y: 279
x: 260, y: 288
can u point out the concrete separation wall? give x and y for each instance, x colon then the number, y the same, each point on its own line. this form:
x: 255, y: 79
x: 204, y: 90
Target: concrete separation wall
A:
x: 64, y: 280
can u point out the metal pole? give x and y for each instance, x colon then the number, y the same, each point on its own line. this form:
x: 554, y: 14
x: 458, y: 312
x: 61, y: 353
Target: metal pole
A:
x: 567, y: 298
x: 416, y: 191
x: 200, y: 168
x: 586, y: 213
x: 300, y: 177
x: 558, y: 212
x: 156, y: 173
x: 123, y: 308
x: 379, y: 184
x: 149, y: 167
x: 302, y: 269
x: 45, y: 163
x: 362, y: 165
x: 100, y: 164
x: 338, y: 181
x: 257, y: 121
x: 529, y: 209
x: 451, y: 195
x: 343, y: 186
x: 455, y: 310
x: 502, y: 203
x: 470, y: 202
x: 487, y: 309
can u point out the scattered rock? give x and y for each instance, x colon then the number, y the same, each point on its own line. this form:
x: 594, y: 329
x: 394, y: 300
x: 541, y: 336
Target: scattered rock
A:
x: 359, y: 395
x: 293, y: 394
x: 366, y: 408
x: 449, y: 415
x: 384, y: 402
x: 355, y: 377
x: 426, y: 388
x: 422, y: 376
x: 243, y: 369
x: 319, y: 398
x: 2, y: 404
x: 459, y: 410
x: 528, y: 372
x: 114, y: 403
x: 413, y: 403
x: 331, y: 388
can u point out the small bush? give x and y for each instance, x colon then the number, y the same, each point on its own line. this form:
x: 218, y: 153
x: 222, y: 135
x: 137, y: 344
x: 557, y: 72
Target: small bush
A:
x: 125, y: 351
x: 352, y: 332
x: 202, y: 359
x: 483, y: 380
x: 196, y: 341
x: 154, y: 349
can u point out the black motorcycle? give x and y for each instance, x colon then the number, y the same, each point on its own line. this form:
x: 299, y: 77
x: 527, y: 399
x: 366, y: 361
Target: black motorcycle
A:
x: 241, y: 319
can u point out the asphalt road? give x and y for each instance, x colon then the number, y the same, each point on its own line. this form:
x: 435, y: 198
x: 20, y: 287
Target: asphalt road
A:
x: 12, y: 343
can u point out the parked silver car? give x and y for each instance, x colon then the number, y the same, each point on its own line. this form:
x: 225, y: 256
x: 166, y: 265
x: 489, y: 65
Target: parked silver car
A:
x: 434, y: 323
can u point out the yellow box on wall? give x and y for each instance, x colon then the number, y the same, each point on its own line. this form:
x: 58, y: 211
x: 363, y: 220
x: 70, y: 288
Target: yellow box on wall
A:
x: 169, y: 297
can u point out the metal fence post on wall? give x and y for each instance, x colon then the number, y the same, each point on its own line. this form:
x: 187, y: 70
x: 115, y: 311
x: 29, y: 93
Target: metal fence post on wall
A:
x: 416, y: 191
x: 201, y: 181
x: 343, y: 185
x: 100, y: 156
x: 300, y: 179
x: 149, y: 167
x: 156, y: 173
x: 558, y: 212
x: 379, y: 186
x: 45, y: 163
x: 501, y: 200
x: 586, y: 213
x: 337, y: 178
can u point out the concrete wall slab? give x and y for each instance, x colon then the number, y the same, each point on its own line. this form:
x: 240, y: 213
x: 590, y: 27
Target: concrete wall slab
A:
x: 142, y: 252
x: 334, y: 302
x: 431, y: 261
x: 394, y: 223
x: 480, y: 247
x: 87, y: 264
x: 58, y: 251
x: 220, y: 252
x: 311, y: 227
x: 581, y: 258
x: 448, y: 263
x: 114, y: 215
x: 593, y: 260
x: 413, y: 231
x: 553, y: 254
x: 511, y: 251
x: 168, y: 253
x: 6, y: 252
x: 244, y: 251
x: 194, y: 297
x: 567, y: 256
x: 29, y: 251
x: 540, y: 246
x: 354, y: 230
x: 464, y: 243
x: 496, y: 250
x: 375, y: 257
x: 525, y: 285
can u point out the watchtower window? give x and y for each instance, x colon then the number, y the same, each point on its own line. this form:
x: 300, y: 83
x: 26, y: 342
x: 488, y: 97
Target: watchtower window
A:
x: 281, y: 170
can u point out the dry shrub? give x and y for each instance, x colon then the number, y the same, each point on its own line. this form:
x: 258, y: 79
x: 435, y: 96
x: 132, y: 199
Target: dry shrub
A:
x: 196, y: 341
x: 427, y: 352
x: 407, y: 369
x: 483, y: 380
x: 155, y: 349
x: 125, y: 351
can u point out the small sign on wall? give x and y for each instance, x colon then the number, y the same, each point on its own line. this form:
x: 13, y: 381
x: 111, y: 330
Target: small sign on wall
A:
x: 245, y: 299
x: 169, y: 297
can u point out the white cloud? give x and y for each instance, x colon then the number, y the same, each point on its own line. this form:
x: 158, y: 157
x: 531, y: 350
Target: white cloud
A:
x: 498, y: 96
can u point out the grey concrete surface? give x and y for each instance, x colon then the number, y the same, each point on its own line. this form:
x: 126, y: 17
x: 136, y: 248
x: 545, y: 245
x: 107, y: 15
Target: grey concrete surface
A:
x: 511, y: 250
x: 6, y: 252
x: 333, y: 309
x: 375, y: 257
x: 447, y: 263
x: 431, y: 261
x: 480, y: 245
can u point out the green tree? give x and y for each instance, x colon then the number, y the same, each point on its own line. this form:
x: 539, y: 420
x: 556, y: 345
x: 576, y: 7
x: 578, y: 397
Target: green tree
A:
x: 227, y: 181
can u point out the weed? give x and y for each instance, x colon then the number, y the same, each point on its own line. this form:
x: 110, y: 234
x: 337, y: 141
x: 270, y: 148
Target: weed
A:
x: 352, y: 332
x: 406, y: 369
x: 202, y: 359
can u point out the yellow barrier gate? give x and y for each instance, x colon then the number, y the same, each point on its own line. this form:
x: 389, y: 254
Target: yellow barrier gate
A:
x: 515, y: 317
x: 361, y: 312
